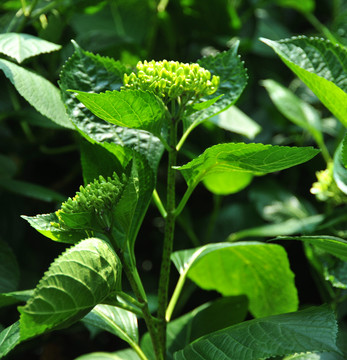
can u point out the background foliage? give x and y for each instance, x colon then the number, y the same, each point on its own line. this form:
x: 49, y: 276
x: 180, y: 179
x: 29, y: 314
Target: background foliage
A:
x: 40, y: 163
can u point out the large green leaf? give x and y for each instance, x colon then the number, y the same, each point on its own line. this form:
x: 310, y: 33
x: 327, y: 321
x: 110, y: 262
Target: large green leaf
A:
x: 24, y: 46
x: 313, y: 329
x: 87, y: 72
x: 9, y: 269
x: 233, y: 79
x: 117, y: 321
x: 321, y: 65
x: 250, y: 158
x: 257, y: 270
x: 134, y: 109
x: 82, y: 277
x: 295, y: 109
x: 38, y: 91
x: 331, y: 244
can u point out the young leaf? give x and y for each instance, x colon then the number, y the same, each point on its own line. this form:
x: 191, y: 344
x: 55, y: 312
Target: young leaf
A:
x: 294, y: 109
x: 9, y: 338
x: 43, y: 224
x: 115, y: 320
x: 82, y: 277
x: 134, y: 109
x: 254, y: 269
x: 331, y: 244
x: 233, y: 79
x: 340, y: 168
x: 24, y: 46
x: 251, y: 158
x: 38, y: 91
x: 87, y: 72
x: 9, y: 269
x: 321, y: 65
x: 313, y: 329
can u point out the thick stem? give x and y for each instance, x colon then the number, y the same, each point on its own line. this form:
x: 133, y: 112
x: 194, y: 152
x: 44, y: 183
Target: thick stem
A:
x: 168, y: 238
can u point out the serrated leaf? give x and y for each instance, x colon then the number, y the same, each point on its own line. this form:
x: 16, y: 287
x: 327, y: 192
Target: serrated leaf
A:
x: 115, y: 320
x: 321, y: 65
x: 9, y: 269
x: 135, y: 109
x: 254, y: 269
x: 82, y: 277
x: 340, y: 170
x: 127, y: 354
x: 38, y: 91
x: 87, y: 72
x: 331, y: 244
x: 251, y: 158
x: 294, y: 109
x: 234, y: 120
x: 9, y: 338
x: 43, y: 224
x: 233, y: 79
x: 313, y: 329
x: 31, y: 190
x: 24, y: 46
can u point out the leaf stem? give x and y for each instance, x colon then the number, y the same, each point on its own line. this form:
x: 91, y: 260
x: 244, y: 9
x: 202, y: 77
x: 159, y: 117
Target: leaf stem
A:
x: 168, y: 235
x: 185, y: 198
x: 159, y: 204
x: 178, y: 289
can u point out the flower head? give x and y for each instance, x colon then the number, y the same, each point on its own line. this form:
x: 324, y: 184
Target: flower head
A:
x: 172, y: 79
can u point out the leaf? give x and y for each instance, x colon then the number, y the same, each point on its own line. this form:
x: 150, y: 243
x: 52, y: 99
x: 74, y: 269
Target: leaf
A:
x: 233, y: 79
x: 9, y: 338
x: 115, y: 320
x: 227, y: 183
x: 321, y: 65
x: 31, y: 190
x: 254, y: 269
x: 331, y: 244
x: 24, y: 46
x: 14, y: 297
x: 82, y: 277
x: 9, y: 269
x: 251, y: 158
x: 87, y: 72
x: 294, y: 109
x: 135, y: 109
x: 235, y: 120
x: 313, y: 329
x: 305, y: 6
x: 127, y: 354
x: 38, y: 91
x: 43, y: 224
x: 7, y: 167
x: 314, y: 356
x: 205, y: 319
x: 340, y: 169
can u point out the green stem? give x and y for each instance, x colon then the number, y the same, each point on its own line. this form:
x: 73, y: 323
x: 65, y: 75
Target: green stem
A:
x: 217, y: 201
x: 159, y: 204
x: 136, y: 286
x: 185, y: 198
x: 168, y: 237
x: 178, y: 289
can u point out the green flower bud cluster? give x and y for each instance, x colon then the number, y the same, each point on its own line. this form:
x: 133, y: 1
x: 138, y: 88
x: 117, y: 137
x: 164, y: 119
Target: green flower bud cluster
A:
x: 325, y: 189
x: 172, y: 79
x: 91, y: 206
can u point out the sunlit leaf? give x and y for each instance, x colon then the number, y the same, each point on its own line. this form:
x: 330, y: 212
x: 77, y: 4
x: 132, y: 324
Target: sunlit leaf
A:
x: 9, y: 338
x: 24, y: 46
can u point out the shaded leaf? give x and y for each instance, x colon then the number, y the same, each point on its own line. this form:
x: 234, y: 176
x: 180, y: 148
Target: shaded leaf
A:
x: 9, y: 269
x: 82, y: 277
x: 14, y: 297
x: 321, y: 65
x: 9, y: 338
x: 24, y: 46
x: 38, y: 91
x: 254, y: 269
x: 313, y: 329
x: 115, y: 320
x: 251, y: 158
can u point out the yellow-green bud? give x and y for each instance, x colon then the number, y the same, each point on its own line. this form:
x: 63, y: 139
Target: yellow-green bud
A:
x: 172, y: 79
